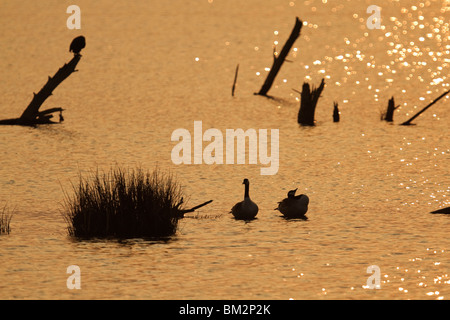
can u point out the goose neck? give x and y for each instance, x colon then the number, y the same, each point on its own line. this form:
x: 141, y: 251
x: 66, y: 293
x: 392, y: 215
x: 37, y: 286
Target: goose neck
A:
x: 246, y: 191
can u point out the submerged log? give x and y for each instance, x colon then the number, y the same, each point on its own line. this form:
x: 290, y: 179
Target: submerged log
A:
x: 336, y: 114
x: 31, y: 115
x: 278, y: 60
x: 407, y: 123
x: 308, y: 103
x: 389, y: 114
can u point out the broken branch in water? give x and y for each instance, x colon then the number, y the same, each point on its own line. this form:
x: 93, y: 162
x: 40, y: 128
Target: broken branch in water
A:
x: 31, y: 115
x: 32, y: 111
x: 235, y: 79
x: 279, y: 59
x: 182, y: 212
x: 406, y: 123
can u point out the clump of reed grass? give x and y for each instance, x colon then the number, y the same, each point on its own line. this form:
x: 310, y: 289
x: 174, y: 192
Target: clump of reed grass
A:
x: 124, y: 204
x: 5, y: 220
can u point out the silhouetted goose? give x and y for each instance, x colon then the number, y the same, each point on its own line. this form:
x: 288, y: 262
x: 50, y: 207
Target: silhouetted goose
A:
x: 443, y: 210
x: 294, y: 206
x: 246, y: 209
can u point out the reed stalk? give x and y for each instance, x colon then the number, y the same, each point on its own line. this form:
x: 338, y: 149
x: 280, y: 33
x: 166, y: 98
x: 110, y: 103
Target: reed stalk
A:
x: 5, y: 220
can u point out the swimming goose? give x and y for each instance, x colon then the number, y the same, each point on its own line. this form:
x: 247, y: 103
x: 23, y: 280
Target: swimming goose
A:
x: 443, y: 210
x: 294, y: 206
x: 246, y: 209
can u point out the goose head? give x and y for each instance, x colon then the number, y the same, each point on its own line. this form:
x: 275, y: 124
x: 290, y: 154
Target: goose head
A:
x: 291, y: 193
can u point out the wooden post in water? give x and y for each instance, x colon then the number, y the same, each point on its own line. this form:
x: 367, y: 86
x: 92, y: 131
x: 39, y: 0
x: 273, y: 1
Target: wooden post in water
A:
x: 278, y: 61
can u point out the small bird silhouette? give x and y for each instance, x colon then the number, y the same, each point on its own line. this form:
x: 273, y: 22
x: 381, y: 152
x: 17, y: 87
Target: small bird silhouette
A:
x: 77, y: 45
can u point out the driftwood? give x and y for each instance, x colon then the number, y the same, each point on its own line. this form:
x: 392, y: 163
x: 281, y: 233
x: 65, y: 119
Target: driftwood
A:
x: 32, y: 116
x: 235, y: 79
x: 336, y: 115
x: 308, y: 103
x: 278, y: 60
x: 389, y: 114
x: 406, y: 123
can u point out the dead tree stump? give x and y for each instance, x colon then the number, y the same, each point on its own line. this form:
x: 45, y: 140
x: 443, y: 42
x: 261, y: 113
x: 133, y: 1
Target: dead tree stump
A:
x: 336, y: 115
x: 308, y: 103
x: 389, y: 114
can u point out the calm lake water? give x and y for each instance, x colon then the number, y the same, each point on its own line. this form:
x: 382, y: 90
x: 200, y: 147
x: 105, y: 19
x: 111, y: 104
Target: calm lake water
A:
x: 151, y: 67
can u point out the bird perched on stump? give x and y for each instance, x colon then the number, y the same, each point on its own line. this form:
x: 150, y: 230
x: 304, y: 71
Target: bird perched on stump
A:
x: 77, y: 44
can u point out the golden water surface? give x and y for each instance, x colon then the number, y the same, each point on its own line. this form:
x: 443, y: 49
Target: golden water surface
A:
x: 151, y: 67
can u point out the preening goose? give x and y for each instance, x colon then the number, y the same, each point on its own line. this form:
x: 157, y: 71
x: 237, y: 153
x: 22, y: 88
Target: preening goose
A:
x: 294, y: 206
x: 443, y: 210
x: 246, y: 209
